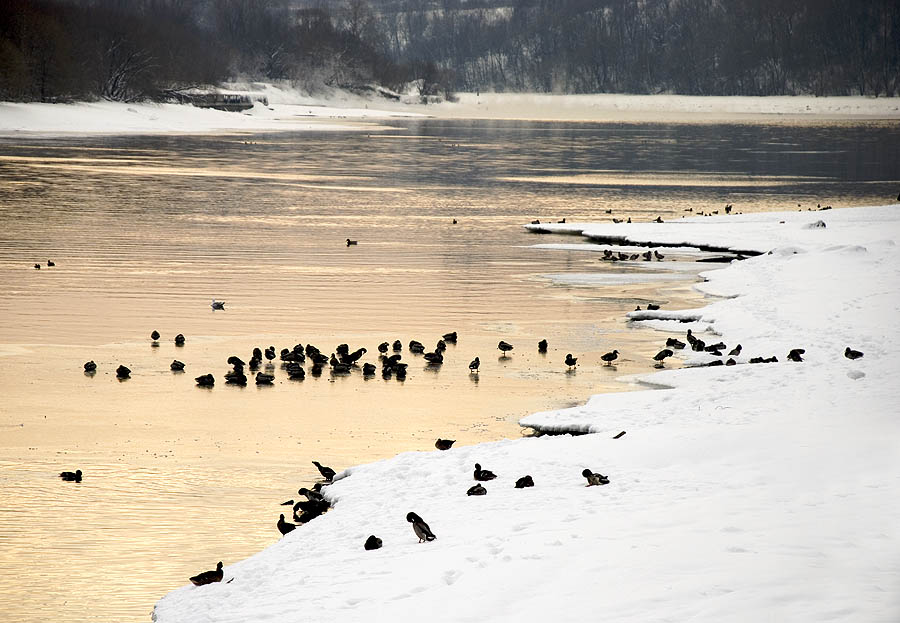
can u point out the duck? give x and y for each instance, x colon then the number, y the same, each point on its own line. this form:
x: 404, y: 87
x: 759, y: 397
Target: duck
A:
x: 795, y: 355
x: 270, y: 353
x: 474, y: 365
x: 37, y: 266
x: 658, y: 219
x: 659, y: 256
x: 350, y: 243
x: 698, y: 346
x: 373, y: 542
x: 440, y: 347
x: 483, y: 474
x: 450, y: 338
x: 179, y: 340
x: 176, y: 366
x: 397, y: 346
x: 327, y: 473
x: 594, y: 478
x: 444, y: 444
x: 283, y: 526
x: 368, y: 369
x: 205, y: 380
x: 90, y: 366
x: 736, y: 351
x: 208, y: 577
x: 731, y: 362
x: 235, y: 361
x: 610, y: 357
x: 314, y: 494
x: 542, y: 346
x: 217, y: 304
x: 504, y: 347
x: 524, y: 481
x: 264, y: 379
x: 690, y: 337
x: 675, y: 343
x: 51, y: 263
x: 123, y: 372
x: 570, y: 360
x: 420, y: 528
x: 383, y: 347
x: 416, y: 347
x: 236, y: 377
x: 351, y: 358
x: 71, y: 476
x: 316, y: 369
x: 155, y: 335
x: 476, y: 490
x: 661, y: 356
x: 652, y: 306
x: 849, y: 353
x: 434, y: 359
x: 341, y: 368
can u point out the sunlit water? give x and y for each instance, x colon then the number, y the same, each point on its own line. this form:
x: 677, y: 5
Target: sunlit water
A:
x: 146, y: 231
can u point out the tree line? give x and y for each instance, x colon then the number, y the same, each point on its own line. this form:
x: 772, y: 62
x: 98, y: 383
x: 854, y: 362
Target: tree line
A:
x: 56, y: 50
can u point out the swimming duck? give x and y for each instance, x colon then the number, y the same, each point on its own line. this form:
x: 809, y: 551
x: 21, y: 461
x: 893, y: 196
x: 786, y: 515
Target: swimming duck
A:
x: 37, y: 266
x: 176, y: 366
x: 397, y: 346
x: 444, y: 444
x: 383, y: 347
x: 420, y: 528
x: 123, y: 372
x: 450, y: 337
x: 849, y: 353
x: 594, y: 478
x: 316, y: 369
x: 264, y: 379
x: 368, y: 369
x: 90, y: 366
x: 327, y: 473
x: 179, y: 340
x: 476, y: 490
x: 205, y: 380
x: 524, y: 481
x: 483, y: 474
x: 217, y: 304
x: 155, y: 335
x: 236, y: 377
x: 270, y: 353
x: 434, y: 359
x: 440, y: 347
x: 570, y: 360
x: 254, y: 364
x: 283, y: 526
x: 504, y: 347
x: 542, y: 346
x: 71, y: 476
x: 373, y: 542
x: 208, y: 577
x: 350, y: 243
x: 474, y: 364
x: 416, y: 347
x: 795, y: 355
x: 610, y: 357
x: 51, y: 263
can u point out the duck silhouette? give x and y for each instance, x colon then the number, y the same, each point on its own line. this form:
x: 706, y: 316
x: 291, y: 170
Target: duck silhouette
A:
x: 383, y: 347
x: 450, y: 338
x: 217, y: 304
x: 205, y: 380
x: 350, y: 243
x: 849, y: 353
x: 524, y: 481
x: 474, y: 364
x: 570, y: 360
x: 796, y: 355
x: 90, y: 366
x: 71, y: 476
x: 420, y: 528
x: 594, y: 478
x: 610, y: 357
x: 264, y: 379
x: 736, y: 351
x: 504, y: 347
x: 373, y: 542
x: 122, y: 372
x: 155, y: 335
x: 476, y: 490
x: 208, y: 577
x: 542, y: 346
x: 51, y: 263
x: 283, y: 526
x: 327, y: 473
x: 483, y: 474
x: 176, y: 366
x: 179, y: 340
x: 661, y: 356
x: 444, y: 444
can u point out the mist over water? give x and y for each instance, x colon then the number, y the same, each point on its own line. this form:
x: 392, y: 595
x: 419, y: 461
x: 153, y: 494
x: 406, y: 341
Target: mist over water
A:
x: 145, y: 231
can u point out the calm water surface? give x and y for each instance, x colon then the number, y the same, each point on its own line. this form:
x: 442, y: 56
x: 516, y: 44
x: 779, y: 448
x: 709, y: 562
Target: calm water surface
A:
x: 146, y: 230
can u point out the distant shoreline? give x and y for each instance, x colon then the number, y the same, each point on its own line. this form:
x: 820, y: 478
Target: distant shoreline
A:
x: 294, y: 112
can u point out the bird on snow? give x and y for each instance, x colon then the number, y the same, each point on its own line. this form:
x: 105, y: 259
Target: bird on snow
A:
x: 524, y: 481
x: 796, y: 355
x: 483, y: 474
x: 373, y: 542
x: 327, y: 473
x: 675, y: 343
x: 849, y: 353
x: 610, y: 357
x: 476, y: 490
x: 208, y: 577
x: 284, y: 527
x: 474, y: 364
x: 734, y: 352
x: 71, y: 476
x: 570, y: 360
x: 504, y: 347
x: 420, y: 528
x: 594, y: 478
x: 444, y: 444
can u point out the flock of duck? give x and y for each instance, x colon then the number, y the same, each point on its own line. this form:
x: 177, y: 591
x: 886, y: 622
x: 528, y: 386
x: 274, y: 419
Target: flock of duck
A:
x: 316, y: 504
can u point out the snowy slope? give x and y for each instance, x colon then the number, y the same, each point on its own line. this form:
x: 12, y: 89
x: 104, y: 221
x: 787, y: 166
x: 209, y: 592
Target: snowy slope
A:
x: 743, y: 493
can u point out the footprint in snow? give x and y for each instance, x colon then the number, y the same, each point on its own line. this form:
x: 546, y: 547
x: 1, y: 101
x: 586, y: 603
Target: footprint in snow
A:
x: 451, y: 576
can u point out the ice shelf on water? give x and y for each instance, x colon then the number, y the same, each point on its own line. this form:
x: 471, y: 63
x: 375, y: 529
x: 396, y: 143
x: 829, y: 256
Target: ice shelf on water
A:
x: 739, y: 493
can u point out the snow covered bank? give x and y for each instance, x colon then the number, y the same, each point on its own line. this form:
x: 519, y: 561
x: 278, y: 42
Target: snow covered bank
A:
x: 743, y: 493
